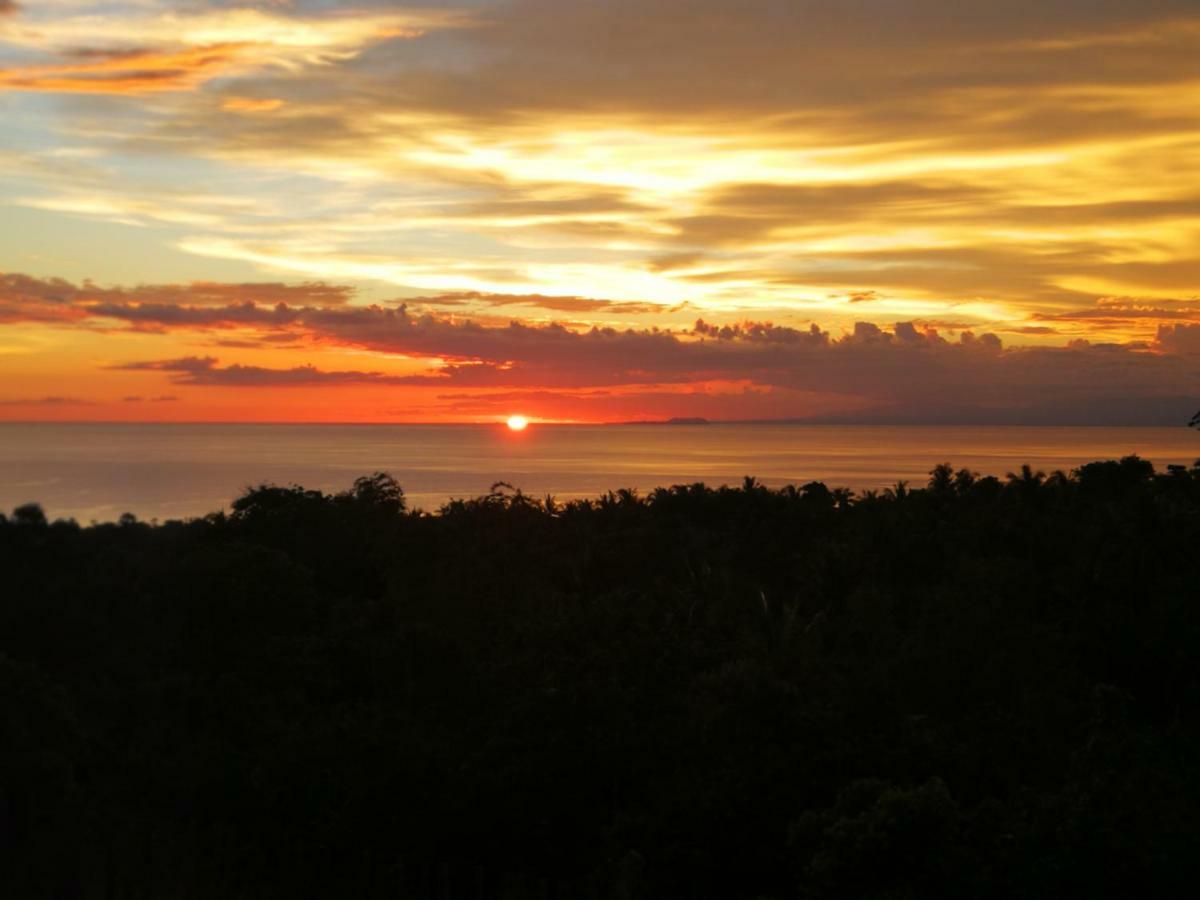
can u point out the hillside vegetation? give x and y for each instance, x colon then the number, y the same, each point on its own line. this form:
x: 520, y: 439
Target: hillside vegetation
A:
x: 981, y: 688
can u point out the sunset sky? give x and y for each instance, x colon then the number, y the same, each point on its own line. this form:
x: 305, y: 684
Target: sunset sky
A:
x: 848, y: 210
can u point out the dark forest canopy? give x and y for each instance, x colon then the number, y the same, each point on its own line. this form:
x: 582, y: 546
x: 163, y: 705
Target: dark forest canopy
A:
x: 979, y: 688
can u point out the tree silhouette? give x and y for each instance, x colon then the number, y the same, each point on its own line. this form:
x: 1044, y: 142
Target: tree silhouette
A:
x: 971, y: 688
x: 1027, y: 478
x: 380, y: 491
x: 29, y: 514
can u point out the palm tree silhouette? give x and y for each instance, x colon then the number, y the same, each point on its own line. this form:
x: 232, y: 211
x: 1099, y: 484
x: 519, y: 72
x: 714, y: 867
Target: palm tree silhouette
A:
x: 1027, y: 477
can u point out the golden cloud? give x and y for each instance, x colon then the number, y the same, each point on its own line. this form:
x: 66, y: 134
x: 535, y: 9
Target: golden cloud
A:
x: 252, y: 104
x: 123, y: 52
x: 127, y: 72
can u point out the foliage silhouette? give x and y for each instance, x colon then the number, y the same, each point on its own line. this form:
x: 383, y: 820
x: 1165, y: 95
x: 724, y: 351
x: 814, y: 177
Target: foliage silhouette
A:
x: 978, y: 688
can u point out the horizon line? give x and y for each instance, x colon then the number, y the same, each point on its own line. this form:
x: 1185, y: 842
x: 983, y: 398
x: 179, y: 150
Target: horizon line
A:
x: 560, y: 423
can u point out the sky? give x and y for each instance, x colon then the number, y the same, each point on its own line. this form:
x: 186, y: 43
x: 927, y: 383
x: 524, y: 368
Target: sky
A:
x: 892, y: 211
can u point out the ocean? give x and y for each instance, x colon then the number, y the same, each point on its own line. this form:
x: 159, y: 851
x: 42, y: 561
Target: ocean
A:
x: 96, y: 472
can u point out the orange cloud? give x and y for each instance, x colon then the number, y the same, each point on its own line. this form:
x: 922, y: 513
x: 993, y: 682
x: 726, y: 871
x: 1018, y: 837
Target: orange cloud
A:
x: 167, y: 50
x: 46, y: 401
x: 129, y: 72
x: 759, y: 371
x: 296, y: 340
x: 26, y: 294
x: 251, y: 104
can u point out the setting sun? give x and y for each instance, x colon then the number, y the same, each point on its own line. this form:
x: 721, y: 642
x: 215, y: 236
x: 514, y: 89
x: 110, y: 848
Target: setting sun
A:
x: 517, y: 423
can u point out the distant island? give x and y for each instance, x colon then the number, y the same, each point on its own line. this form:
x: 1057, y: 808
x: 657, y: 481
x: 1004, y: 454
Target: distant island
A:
x: 674, y: 420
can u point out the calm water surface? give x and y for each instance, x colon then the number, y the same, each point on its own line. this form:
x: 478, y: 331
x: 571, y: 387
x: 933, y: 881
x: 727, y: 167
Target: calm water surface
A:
x: 98, y: 471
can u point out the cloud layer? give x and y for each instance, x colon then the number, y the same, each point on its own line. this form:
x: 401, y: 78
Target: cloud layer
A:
x: 901, y: 373
x: 151, y: 47
x: 986, y: 166
x: 559, y: 189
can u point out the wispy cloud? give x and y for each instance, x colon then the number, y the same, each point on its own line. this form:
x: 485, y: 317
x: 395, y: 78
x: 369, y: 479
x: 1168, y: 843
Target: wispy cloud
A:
x: 16, y: 286
x: 117, y: 72
x: 47, y: 401
x: 1013, y: 159
x: 138, y: 49
x: 205, y: 371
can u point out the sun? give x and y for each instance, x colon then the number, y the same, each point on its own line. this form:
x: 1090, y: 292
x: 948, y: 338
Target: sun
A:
x: 517, y: 423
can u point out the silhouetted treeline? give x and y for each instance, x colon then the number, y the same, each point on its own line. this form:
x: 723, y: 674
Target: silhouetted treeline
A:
x: 982, y: 688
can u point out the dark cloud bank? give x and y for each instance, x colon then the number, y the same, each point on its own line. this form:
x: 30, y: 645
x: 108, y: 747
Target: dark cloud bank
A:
x: 902, y: 374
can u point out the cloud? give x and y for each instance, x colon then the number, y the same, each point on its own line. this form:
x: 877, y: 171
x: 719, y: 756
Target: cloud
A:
x: 863, y: 296
x: 220, y: 305
x: 871, y: 374
x: 765, y: 54
x: 134, y: 52
x: 1032, y: 329
x: 964, y: 135
x: 205, y: 371
x: 120, y: 72
x: 1179, y: 338
x: 1143, y: 308
x: 751, y: 212
x: 24, y: 298
x: 1143, y: 318
x: 1017, y: 155
x: 48, y: 401
x: 539, y: 301
x: 170, y: 315
x: 626, y: 163
x: 252, y: 104
x: 905, y: 371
